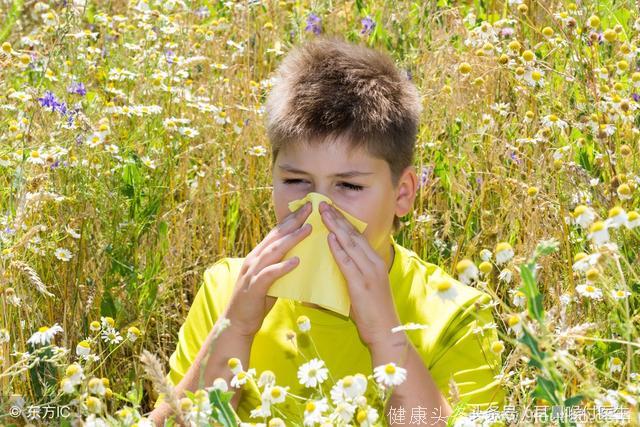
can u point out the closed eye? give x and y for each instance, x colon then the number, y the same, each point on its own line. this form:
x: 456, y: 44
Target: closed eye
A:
x: 352, y: 187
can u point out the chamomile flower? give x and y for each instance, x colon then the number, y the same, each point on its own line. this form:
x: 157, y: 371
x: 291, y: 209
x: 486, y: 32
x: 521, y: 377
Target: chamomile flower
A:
x: 242, y: 377
x: 553, y: 121
x: 133, y: 333
x: 598, y: 233
x: 220, y: 384
x: 257, y: 151
x: 107, y: 321
x: 343, y: 412
x: 96, y: 386
x: 619, y: 294
x: 497, y: 347
x: 515, y: 324
x: 63, y: 254
x: 504, y: 252
x: 633, y: 220
x: 235, y: 365
x: 111, y: 336
x: 519, y: 299
x: 366, y: 416
x: 74, y: 373
x: 267, y: 378
x: 94, y: 326
x: 44, y: 335
x: 304, y: 324
x: 83, y: 348
x: 146, y: 160
x: 617, y: 217
x: 188, y: 131
x: 274, y: 394
x: 505, y: 275
x: 261, y: 411
x: 584, y: 216
x: 389, y: 374
x: 349, y: 388
x: 312, y: 373
x: 313, y: 411
x: 467, y: 271
x: 615, y: 365
x: 589, y: 291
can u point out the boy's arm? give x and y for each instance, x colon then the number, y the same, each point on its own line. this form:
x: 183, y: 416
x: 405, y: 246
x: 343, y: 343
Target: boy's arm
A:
x: 418, y: 394
x: 229, y: 343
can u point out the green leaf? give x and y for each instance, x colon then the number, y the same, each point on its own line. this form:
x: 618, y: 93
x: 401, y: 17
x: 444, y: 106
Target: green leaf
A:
x: 546, y: 389
x: 530, y: 289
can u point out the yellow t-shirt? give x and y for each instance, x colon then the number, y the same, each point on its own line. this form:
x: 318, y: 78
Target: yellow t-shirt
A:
x: 449, y: 346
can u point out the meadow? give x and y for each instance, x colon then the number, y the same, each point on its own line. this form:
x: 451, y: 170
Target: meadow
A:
x: 133, y: 156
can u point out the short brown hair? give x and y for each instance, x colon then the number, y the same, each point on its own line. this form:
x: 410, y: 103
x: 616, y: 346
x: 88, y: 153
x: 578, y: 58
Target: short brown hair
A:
x: 328, y: 88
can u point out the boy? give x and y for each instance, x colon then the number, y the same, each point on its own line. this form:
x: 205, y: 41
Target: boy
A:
x: 342, y: 121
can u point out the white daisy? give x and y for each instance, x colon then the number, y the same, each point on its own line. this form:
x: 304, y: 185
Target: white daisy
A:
x: 151, y: 164
x: 519, y: 299
x: 83, y: 348
x: 589, y: 291
x: 584, y: 216
x: 242, y: 377
x: 598, y: 233
x: 619, y: 294
x: 188, y: 132
x: 261, y: 411
x: 389, y: 374
x: 111, y: 336
x: 44, y: 335
x: 615, y: 365
x: 267, y: 378
x: 63, y: 254
x: 219, y: 384
x: 274, y: 394
x: 133, y: 333
x: 504, y: 252
x: 257, y: 151
x: 467, y: 271
x: 617, y: 217
x: 367, y: 416
x: 633, y: 220
x: 349, y: 388
x: 313, y: 411
x: 312, y: 373
x: 343, y: 413
x: 552, y: 121
x: 515, y: 324
x: 304, y: 324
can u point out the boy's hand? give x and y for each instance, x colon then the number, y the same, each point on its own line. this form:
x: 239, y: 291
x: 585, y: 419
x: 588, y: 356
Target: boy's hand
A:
x: 250, y: 303
x: 372, y: 307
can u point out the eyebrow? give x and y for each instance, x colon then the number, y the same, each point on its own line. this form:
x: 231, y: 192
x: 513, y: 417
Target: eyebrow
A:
x: 348, y: 174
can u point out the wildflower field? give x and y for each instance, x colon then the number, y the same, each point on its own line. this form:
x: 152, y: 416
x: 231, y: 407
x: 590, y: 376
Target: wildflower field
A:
x: 133, y: 156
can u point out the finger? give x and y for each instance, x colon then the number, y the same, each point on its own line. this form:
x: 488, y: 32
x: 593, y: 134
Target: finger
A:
x: 290, y: 223
x: 277, y: 249
x: 261, y: 282
x: 350, y: 241
x: 347, y: 265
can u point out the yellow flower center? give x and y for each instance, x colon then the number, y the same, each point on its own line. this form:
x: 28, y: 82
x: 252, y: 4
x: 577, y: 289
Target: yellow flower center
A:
x: 390, y: 369
x: 310, y: 407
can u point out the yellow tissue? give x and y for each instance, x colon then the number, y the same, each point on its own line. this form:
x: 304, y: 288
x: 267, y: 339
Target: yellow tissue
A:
x: 317, y: 278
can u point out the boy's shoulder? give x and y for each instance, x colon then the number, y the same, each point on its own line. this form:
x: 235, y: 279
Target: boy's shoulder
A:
x: 415, y: 272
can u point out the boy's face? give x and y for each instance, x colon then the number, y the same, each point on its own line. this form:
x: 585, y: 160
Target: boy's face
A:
x: 370, y: 196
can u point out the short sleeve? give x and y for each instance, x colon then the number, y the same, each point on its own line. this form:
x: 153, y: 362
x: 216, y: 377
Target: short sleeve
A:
x: 463, y: 353
x: 209, y: 302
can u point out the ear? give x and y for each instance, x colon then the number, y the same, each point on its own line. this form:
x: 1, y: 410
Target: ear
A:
x: 406, y: 191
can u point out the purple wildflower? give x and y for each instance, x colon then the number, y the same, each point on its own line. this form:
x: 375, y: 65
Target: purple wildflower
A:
x: 506, y: 32
x: 202, y: 12
x: 49, y: 100
x: 592, y: 35
x: 314, y: 23
x: 169, y: 55
x: 368, y: 25
x: 77, y: 88
x: 424, y: 175
x: 635, y: 97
